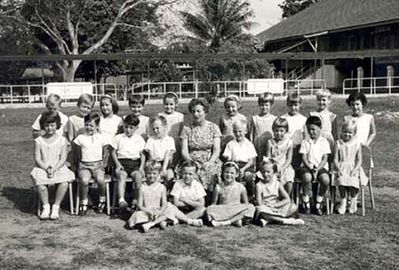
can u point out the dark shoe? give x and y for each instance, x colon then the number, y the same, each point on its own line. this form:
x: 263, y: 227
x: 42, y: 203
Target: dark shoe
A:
x: 100, y: 208
x: 318, y: 211
x: 82, y: 210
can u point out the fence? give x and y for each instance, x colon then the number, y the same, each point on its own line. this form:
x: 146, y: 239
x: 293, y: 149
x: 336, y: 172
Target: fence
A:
x: 156, y: 90
x: 372, y: 85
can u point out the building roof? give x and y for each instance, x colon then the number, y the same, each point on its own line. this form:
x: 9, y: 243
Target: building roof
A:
x: 333, y: 16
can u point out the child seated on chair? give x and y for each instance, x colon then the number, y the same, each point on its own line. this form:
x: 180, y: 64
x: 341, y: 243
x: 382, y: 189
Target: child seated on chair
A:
x: 50, y: 156
x: 280, y: 149
x: 315, y: 151
x: 188, y: 193
x: 243, y: 153
x: 348, y: 165
x: 91, y: 145
x: 230, y: 200
x: 161, y: 147
x: 127, y: 154
x: 273, y: 203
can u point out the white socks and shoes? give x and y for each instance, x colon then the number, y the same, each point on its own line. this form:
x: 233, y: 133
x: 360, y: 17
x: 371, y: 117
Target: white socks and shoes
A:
x: 45, y: 214
x: 342, y: 206
x: 195, y: 222
x: 55, y: 212
x: 353, y: 205
x: 293, y: 221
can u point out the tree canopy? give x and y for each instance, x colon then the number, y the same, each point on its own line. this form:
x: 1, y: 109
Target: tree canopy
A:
x: 292, y: 7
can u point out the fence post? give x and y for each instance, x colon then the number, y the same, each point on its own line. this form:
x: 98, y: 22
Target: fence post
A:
x: 164, y: 88
x: 311, y: 87
x: 225, y: 89
x: 28, y: 93
x: 179, y: 90
x: 196, y: 89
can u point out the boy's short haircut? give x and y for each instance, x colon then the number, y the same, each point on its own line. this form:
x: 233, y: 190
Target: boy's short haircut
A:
x: 136, y: 99
x: 266, y: 97
x: 190, y: 164
x: 93, y: 116
x: 50, y: 116
x: 87, y: 99
x: 323, y: 93
x: 314, y: 120
x: 171, y: 95
x: 234, y: 98
x: 54, y: 97
x: 356, y: 96
x: 198, y: 101
x: 294, y: 97
x: 131, y: 120
x: 153, y: 165
x: 267, y: 161
x: 114, y: 103
x: 280, y: 122
x: 160, y: 118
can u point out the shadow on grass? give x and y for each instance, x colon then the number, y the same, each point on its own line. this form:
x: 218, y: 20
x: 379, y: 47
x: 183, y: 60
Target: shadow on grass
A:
x: 23, y: 198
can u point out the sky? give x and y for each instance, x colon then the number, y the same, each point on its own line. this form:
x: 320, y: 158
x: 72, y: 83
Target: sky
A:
x: 267, y: 13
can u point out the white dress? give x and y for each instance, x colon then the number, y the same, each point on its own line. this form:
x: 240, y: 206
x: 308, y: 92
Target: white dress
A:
x: 50, y: 155
x: 279, y: 154
x: 362, y: 126
x: 262, y: 131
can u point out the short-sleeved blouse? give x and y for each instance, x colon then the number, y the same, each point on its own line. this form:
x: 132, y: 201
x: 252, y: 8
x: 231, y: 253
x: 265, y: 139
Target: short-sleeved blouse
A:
x: 200, y: 137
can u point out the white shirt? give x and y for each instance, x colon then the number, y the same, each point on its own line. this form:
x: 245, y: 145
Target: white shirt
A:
x: 194, y: 192
x: 128, y: 147
x: 242, y: 151
x: 143, y: 127
x: 315, y: 150
x: 109, y: 126
x: 296, y: 127
x: 60, y: 131
x: 159, y: 147
x: 92, y: 146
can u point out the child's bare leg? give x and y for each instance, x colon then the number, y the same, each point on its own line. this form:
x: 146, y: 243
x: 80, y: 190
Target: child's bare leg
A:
x: 288, y: 187
x: 121, y: 177
x: 249, y: 184
x: 137, y: 179
x: 342, y: 205
x: 147, y: 226
x: 43, y: 194
x: 342, y: 191
x: 168, y: 179
x: 84, y: 178
x: 60, y: 193
x: 353, y: 192
x: 100, y: 178
x: 180, y: 216
x: 196, y: 213
x: 324, y: 181
x: 307, y: 190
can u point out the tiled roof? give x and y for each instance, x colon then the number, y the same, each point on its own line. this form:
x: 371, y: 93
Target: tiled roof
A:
x: 333, y: 15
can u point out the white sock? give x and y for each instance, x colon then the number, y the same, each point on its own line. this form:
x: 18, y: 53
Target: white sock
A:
x: 85, y: 202
x: 101, y: 199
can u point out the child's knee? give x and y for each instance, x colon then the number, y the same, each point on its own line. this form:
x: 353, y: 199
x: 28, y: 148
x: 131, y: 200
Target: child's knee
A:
x: 306, y: 178
x: 324, y: 179
x: 249, y: 177
x: 41, y: 188
x: 84, y: 177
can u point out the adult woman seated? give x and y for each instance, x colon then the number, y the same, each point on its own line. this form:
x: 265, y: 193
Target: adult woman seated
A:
x: 200, y: 142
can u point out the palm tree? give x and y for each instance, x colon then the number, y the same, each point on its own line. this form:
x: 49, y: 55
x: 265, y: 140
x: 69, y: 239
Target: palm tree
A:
x: 219, y: 21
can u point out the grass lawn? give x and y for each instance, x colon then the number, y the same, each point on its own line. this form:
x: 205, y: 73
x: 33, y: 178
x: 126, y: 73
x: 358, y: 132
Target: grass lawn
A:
x: 99, y: 242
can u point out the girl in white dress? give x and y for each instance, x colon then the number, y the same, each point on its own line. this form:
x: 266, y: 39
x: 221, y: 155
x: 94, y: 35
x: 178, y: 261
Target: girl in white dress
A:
x: 365, y: 125
x: 230, y: 201
x: 273, y: 203
x: 50, y: 156
x: 349, y: 173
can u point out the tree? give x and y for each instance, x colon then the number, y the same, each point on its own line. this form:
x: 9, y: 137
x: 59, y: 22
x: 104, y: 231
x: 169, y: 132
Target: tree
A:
x: 219, y: 21
x: 72, y: 27
x: 292, y: 7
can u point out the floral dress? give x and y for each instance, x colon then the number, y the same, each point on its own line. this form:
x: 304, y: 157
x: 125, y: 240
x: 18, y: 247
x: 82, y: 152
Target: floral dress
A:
x: 200, y: 144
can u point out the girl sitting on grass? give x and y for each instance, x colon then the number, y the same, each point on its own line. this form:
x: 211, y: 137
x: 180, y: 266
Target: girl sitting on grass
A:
x: 50, y: 156
x: 273, y: 202
x: 230, y: 201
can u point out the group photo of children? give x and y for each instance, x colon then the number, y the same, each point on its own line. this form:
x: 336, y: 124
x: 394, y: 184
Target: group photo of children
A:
x: 267, y: 168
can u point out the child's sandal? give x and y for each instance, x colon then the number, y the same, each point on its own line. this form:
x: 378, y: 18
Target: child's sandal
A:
x: 82, y: 210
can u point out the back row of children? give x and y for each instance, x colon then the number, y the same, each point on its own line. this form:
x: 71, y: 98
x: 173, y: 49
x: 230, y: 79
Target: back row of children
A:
x: 280, y: 138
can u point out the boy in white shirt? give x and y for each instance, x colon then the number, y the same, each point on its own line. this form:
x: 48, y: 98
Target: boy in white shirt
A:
x: 315, y: 151
x: 188, y: 193
x: 90, y: 145
x: 243, y: 153
x: 128, y: 156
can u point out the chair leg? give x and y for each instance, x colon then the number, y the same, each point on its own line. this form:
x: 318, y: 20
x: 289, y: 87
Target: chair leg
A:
x: 114, y: 197
x: 71, y: 208
x: 363, y: 204
x: 297, y: 193
x: 77, y: 198
x: 371, y: 190
x: 108, y: 199
x: 333, y: 198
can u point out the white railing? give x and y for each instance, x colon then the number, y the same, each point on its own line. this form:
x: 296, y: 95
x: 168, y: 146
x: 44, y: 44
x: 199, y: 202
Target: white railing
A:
x: 371, y: 85
x: 156, y: 90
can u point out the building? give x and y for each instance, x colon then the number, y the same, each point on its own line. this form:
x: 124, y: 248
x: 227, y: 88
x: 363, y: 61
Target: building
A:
x: 356, y: 31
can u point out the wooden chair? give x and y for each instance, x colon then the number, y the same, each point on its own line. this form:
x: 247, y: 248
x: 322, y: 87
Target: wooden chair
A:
x: 39, y: 203
x: 107, y: 194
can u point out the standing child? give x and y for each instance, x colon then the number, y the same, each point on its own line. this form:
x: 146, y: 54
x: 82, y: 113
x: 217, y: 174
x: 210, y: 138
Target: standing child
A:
x: 242, y: 151
x: 128, y: 156
x: 50, y: 156
x: 175, y: 122
x: 53, y: 103
x: 273, y: 203
x: 90, y: 145
x: 280, y: 149
x: 349, y: 173
x: 315, y: 151
x: 328, y: 118
x: 230, y: 201
x: 296, y: 126
x: 110, y: 122
x: 365, y: 125
x: 261, y: 125
x: 75, y: 126
x: 232, y: 104
x: 136, y: 104
x: 161, y: 147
